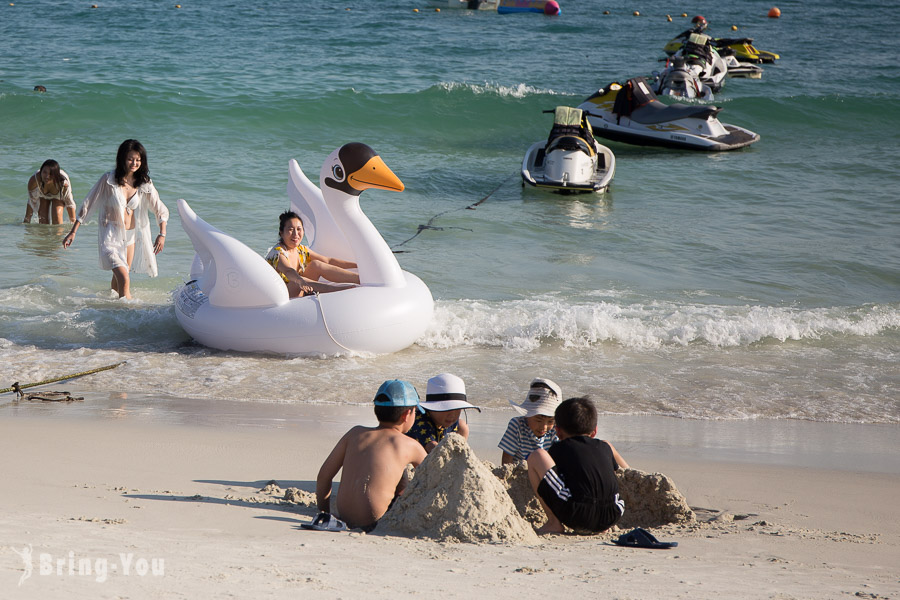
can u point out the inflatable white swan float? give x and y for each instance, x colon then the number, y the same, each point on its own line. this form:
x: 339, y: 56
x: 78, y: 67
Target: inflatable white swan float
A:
x: 237, y: 301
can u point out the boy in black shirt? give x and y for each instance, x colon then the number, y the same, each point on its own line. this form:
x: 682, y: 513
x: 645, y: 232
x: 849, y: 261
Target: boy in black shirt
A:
x: 575, y: 479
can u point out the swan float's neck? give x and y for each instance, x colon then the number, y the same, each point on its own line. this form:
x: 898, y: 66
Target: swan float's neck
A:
x: 345, y: 174
x: 376, y: 262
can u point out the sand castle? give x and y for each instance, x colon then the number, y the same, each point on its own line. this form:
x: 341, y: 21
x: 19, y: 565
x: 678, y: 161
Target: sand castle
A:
x: 651, y: 500
x: 454, y: 496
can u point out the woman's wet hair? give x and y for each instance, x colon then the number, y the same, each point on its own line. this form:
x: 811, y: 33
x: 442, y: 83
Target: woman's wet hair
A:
x: 55, y: 175
x: 286, y: 216
x: 142, y: 175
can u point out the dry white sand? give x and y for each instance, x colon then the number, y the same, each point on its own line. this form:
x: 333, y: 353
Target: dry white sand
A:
x: 176, y: 511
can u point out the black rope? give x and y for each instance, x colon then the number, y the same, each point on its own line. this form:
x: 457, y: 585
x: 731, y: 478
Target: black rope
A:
x: 429, y: 225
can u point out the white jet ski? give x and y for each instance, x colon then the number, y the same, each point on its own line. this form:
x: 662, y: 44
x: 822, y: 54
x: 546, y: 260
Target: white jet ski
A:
x: 702, y: 58
x: 737, y: 68
x: 632, y: 114
x: 679, y: 81
x: 570, y: 160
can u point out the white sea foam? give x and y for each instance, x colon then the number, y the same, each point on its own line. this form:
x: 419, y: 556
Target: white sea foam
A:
x: 526, y: 324
x: 520, y: 90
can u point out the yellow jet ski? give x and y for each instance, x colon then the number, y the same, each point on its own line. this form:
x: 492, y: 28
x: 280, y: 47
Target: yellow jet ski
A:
x: 744, y: 50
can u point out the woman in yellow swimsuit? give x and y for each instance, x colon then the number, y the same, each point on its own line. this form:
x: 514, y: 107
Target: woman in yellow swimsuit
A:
x: 301, y: 268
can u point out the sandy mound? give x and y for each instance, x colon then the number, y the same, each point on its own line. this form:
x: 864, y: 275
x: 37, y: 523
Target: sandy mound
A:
x: 298, y: 496
x: 651, y: 500
x: 455, y: 497
x: 515, y: 478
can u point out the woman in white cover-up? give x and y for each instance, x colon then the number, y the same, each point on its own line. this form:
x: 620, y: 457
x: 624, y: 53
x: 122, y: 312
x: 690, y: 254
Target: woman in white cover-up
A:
x: 122, y: 198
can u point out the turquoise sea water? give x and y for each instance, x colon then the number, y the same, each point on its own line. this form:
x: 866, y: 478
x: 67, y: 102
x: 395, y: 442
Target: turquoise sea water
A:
x: 762, y: 283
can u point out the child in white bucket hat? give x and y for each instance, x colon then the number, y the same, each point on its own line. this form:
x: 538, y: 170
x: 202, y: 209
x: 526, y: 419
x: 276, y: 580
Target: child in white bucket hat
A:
x: 445, y: 399
x: 535, y: 427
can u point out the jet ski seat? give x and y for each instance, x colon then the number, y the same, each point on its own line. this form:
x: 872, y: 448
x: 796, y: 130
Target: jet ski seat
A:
x: 697, y: 49
x: 571, y: 143
x: 638, y: 102
x: 657, y: 112
x: 570, y: 131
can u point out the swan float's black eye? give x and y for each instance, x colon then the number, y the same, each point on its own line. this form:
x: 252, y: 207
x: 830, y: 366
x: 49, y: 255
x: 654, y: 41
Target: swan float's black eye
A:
x: 338, y: 172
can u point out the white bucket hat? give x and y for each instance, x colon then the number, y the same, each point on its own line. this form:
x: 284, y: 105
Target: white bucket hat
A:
x: 542, y: 399
x: 446, y: 392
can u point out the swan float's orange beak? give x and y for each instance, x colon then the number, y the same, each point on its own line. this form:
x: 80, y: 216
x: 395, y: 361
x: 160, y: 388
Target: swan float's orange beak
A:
x: 375, y: 174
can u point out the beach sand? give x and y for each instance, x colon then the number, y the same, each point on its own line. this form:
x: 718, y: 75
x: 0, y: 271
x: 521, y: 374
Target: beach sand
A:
x: 176, y: 507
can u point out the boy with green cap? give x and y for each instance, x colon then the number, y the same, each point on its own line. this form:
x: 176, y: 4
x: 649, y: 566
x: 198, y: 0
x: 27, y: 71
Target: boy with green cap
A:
x: 373, y: 460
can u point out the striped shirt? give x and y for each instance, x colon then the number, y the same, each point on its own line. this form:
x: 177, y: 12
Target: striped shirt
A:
x: 519, y: 441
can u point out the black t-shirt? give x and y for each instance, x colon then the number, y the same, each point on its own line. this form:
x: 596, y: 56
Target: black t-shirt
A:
x: 588, y: 468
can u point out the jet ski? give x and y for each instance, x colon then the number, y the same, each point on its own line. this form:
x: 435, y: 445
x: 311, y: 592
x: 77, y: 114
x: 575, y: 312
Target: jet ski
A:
x: 570, y: 160
x: 704, y: 61
x: 744, y: 50
x: 679, y: 81
x: 632, y: 114
x: 745, y: 70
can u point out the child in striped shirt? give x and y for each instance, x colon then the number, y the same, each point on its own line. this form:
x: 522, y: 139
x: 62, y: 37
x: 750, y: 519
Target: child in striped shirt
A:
x: 535, y: 427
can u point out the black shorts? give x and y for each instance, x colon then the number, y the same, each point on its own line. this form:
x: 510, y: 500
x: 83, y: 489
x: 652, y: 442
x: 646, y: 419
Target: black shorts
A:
x: 583, y: 515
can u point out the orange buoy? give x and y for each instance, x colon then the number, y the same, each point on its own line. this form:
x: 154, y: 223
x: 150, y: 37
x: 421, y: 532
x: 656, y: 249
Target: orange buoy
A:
x: 415, y: 10
x: 437, y: 10
x: 636, y: 13
x: 683, y: 14
x: 774, y: 12
x: 669, y: 18
x: 734, y: 27
x: 605, y: 12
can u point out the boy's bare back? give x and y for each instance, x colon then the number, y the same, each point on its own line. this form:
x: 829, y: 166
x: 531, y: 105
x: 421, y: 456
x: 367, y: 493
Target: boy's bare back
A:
x: 373, y: 460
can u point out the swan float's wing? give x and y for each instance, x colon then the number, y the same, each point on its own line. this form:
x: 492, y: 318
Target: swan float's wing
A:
x: 322, y: 232
x: 233, y: 275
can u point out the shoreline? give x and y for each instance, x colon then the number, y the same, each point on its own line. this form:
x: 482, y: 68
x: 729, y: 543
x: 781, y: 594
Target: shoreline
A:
x: 775, y: 442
